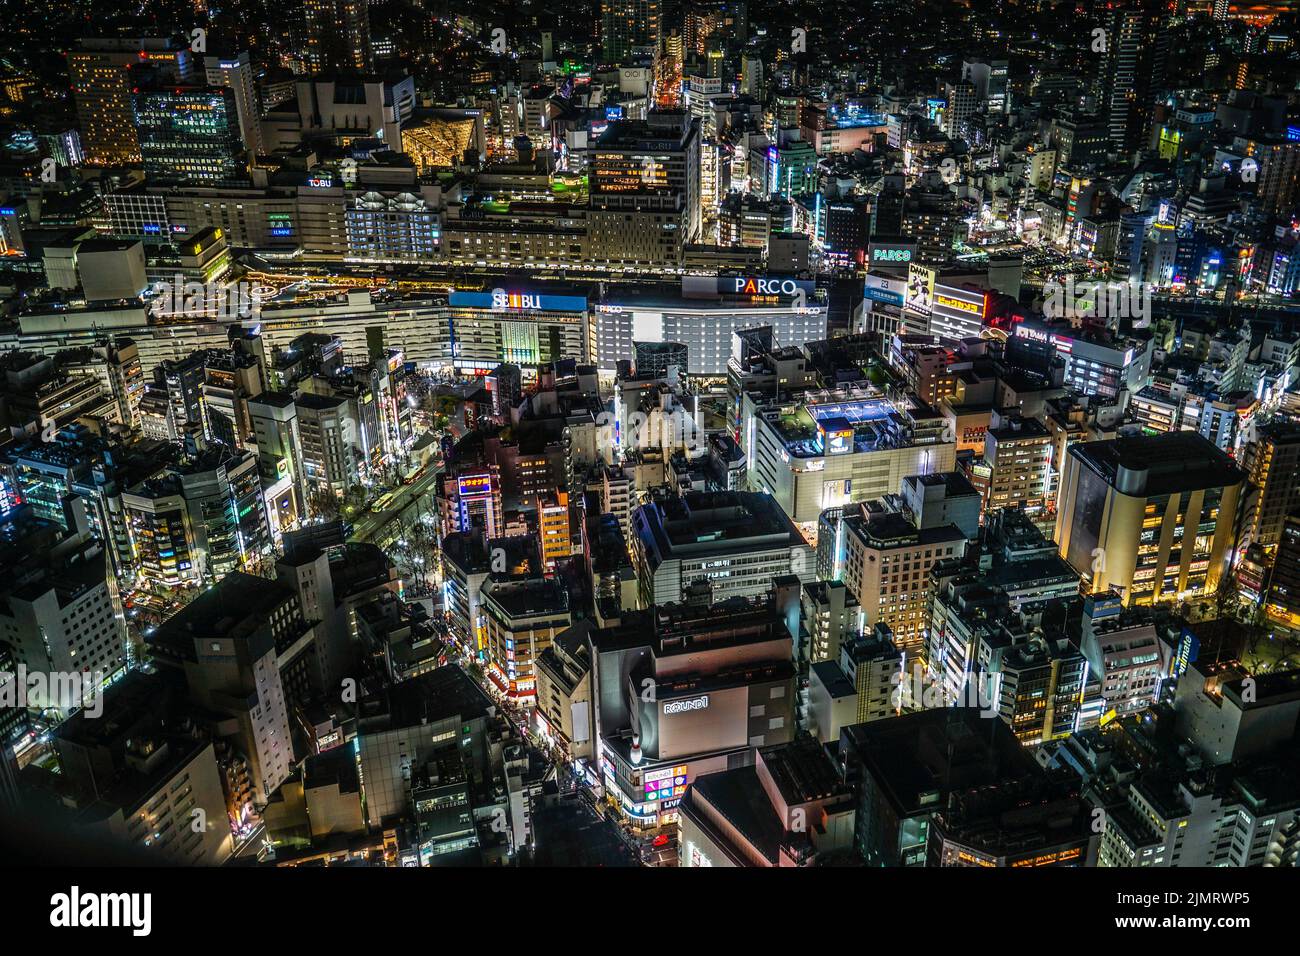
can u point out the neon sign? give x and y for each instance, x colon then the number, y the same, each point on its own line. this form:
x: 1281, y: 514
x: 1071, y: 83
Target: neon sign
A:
x: 474, y: 485
x: 685, y: 706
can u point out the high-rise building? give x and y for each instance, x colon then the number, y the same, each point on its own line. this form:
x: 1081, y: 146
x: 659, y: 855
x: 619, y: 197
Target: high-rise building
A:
x: 962, y: 102
x: 329, y: 443
x: 645, y: 190
x: 731, y: 543
x: 338, y: 36
x: 629, y: 25
x: 189, y: 135
x: 144, y: 777
x: 278, y: 446
x: 237, y: 74
x: 887, y: 562
x: 199, y: 520
x: 226, y: 644
x: 58, y: 613
x: 905, y: 770
x: 1272, y: 462
x: 1136, y: 52
x: 101, y: 85
x: 1154, y: 516
x: 1283, y: 602
x: 830, y: 617
x: 1278, y: 174
x: 1018, y: 453
x: 522, y: 618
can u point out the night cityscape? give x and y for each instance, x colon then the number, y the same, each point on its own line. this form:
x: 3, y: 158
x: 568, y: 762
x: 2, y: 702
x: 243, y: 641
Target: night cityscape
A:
x: 634, y: 434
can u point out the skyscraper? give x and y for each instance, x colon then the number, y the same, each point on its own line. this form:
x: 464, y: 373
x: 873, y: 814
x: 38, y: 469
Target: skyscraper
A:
x: 1137, y: 46
x: 236, y: 74
x: 99, y: 70
x: 338, y: 36
x: 190, y: 135
x: 627, y: 24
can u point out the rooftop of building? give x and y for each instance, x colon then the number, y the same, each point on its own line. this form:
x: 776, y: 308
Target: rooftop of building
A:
x: 890, y: 529
x: 918, y: 759
x: 802, y: 771
x: 710, y: 522
x: 831, y: 677
x: 334, y: 767
x: 1162, y: 464
x: 440, y: 694
x: 738, y: 796
x: 1017, y: 427
x: 527, y: 598
x: 954, y: 483
x: 232, y: 609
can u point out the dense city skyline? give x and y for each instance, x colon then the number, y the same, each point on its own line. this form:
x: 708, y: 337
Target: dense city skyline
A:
x: 652, y: 434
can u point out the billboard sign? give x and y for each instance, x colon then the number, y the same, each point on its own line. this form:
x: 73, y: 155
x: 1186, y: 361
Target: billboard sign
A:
x: 920, y: 288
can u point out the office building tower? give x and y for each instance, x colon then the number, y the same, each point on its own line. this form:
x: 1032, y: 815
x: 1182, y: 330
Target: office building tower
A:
x: 1283, y: 603
x: 645, y: 190
x: 1134, y: 68
x: 189, y: 136
x: 338, y: 36
x: 329, y: 444
x: 831, y: 615
x: 1272, y: 462
x: 963, y: 99
x: 101, y: 85
x: 628, y: 27
x: 887, y: 563
x: 278, y: 446
x: 199, y: 520
x: 237, y: 74
x: 1018, y: 454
